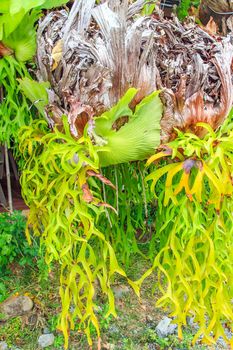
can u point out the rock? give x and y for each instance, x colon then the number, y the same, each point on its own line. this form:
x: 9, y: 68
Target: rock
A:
x: 193, y: 325
x: 46, y: 330
x: 46, y: 340
x: 190, y: 321
x: 221, y: 344
x: 120, y: 291
x: 16, y: 306
x: 165, y: 327
x: 228, y: 333
x: 113, y: 329
x: 152, y: 347
x: 72, y: 308
x: 3, y: 345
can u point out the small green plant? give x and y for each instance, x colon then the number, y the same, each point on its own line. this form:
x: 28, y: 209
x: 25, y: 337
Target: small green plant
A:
x: 104, y: 321
x: 14, y: 248
x: 18, y: 26
x: 58, y: 341
x: 3, y: 293
x: 172, y: 341
x: 185, y: 5
x: 15, y: 333
x: 43, y: 269
x: 12, y: 241
x: 148, y: 7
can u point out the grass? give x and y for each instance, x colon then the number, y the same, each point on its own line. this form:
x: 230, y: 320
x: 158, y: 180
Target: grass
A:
x: 134, y: 328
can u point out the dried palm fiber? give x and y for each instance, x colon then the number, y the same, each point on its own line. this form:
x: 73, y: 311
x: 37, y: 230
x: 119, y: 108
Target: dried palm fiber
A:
x: 93, y: 54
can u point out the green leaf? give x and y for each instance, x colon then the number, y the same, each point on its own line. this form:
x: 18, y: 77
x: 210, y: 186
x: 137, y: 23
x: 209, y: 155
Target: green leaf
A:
x: 23, y: 39
x: 104, y: 123
x: 26, y: 5
x: 17, y: 22
x: 8, y: 23
x: 36, y: 92
x: 49, y: 4
x: 135, y: 140
x: 5, y: 5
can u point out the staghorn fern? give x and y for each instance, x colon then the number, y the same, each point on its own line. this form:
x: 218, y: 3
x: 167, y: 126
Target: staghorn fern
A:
x: 195, y: 261
x: 64, y: 212
x: 95, y: 56
x: 96, y: 53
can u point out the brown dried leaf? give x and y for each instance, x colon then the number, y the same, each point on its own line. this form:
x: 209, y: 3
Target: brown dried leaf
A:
x: 78, y: 116
x: 5, y: 51
x: 101, y: 178
x: 106, y: 205
x: 211, y: 27
x: 87, y: 195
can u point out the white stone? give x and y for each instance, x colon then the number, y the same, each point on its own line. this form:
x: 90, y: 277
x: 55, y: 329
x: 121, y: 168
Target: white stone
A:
x: 3, y: 345
x: 46, y: 340
x: 165, y: 327
x: 46, y: 330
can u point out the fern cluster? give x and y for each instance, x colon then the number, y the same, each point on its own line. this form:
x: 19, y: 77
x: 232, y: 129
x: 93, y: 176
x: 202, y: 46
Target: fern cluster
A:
x: 195, y: 226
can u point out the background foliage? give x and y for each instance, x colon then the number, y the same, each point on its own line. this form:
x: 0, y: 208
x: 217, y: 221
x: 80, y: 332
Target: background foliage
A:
x: 15, y: 111
x: 15, y: 250
x: 184, y: 7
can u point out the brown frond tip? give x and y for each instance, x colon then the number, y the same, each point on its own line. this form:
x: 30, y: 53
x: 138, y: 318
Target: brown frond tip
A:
x: 97, y: 52
x: 4, y: 50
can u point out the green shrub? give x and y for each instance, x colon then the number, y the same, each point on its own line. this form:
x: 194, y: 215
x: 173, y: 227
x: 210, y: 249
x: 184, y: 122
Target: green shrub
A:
x: 185, y: 5
x: 13, y: 243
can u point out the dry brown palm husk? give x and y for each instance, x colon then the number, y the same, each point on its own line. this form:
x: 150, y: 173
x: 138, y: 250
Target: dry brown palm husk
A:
x: 92, y: 55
